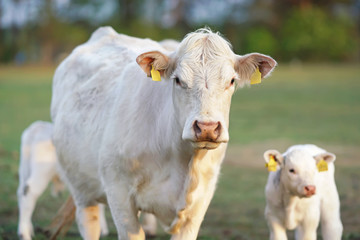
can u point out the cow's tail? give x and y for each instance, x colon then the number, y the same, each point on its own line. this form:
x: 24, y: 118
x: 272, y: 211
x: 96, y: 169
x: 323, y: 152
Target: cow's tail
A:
x: 63, y: 219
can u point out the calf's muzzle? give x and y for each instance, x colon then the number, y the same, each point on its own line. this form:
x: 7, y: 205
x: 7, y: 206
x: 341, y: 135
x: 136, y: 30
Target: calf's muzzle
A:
x: 309, y: 190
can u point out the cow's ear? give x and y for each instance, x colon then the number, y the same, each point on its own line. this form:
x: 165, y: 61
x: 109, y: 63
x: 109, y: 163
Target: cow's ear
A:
x: 278, y: 157
x: 246, y: 65
x: 158, y: 60
x: 327, y: 157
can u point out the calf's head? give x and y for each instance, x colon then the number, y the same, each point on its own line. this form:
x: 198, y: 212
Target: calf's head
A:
x: 298, y: 170
x: 205, y: 72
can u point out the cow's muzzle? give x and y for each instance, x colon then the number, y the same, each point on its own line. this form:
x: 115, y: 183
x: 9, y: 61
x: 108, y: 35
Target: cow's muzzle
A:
x: 207, y: 131
x: 207, y: 134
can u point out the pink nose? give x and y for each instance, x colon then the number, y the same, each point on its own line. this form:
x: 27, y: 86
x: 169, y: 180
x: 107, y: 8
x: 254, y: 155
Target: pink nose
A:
x: 310, y: 190
x: 207, y: 131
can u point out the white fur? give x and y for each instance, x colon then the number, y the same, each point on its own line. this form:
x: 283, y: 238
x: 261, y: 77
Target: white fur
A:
x: 288, y: 207
x: 37, y: 168
x: 128, y: 141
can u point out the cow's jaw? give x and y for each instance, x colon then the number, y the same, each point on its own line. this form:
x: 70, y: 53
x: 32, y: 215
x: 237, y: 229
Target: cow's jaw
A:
x: 205, y: 145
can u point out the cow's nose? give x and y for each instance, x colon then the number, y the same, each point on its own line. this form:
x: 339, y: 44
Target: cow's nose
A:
x: 310, y: 190
x: 207, y: 131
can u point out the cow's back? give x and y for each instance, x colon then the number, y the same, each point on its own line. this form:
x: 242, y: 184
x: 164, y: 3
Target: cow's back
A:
x: 88, y: 81
x: 98, y: 82
x: 90, y: 72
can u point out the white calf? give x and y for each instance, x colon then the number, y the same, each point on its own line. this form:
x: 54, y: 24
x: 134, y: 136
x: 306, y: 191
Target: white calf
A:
x: 300, y: 192
x: 37, y: 168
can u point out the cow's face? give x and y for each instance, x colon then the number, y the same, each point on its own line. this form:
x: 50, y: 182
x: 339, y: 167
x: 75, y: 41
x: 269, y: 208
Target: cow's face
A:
x: 299, y: 172
x: 205, y: 73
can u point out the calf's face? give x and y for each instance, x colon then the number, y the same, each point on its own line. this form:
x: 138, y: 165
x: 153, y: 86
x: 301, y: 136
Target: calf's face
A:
x: 298, y: 170
x: 205, y: 73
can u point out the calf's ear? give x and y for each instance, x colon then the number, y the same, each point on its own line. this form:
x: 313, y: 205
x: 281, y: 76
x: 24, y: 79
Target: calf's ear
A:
x: 155, y: 59
x: 246, y: 65
x: 276, y: 154
x: 327, y: 157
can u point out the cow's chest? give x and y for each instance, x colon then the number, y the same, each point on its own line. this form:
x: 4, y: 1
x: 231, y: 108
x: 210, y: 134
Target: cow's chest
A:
x: 160, y: 190
x: 172, y: 192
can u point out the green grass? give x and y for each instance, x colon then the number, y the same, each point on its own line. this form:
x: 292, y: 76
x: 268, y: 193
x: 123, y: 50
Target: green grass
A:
x: 313, y: 104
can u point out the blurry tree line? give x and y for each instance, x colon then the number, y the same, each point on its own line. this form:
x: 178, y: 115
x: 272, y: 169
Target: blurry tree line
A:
x: 43, y: 31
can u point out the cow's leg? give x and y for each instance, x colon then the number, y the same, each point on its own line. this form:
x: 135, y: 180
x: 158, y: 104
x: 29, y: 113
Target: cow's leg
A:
x: 28, y: 194
x: 307, y: 232
x: 121, y: 203
x: 124, y: 213
x: 307, y: 229
x: 277, y: 230
x: 331, y: 226
x: 149, y: 224
x: 103, y: 225
x: 26, y: 203
x: 88, y: 222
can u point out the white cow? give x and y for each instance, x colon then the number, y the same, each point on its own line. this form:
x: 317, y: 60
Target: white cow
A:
x: 299, y: 195
x: 37, y: 168
x: 141, y: 145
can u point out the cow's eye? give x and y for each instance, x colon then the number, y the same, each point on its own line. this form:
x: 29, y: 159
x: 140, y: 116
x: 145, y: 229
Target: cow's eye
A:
x: 232, y: 81
x: 177, y: 81
x: 292, y: 171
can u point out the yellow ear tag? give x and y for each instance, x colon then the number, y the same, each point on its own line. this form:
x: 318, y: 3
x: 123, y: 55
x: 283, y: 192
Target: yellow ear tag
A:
x: 256, y: 77
x: 155, y: 74
x: 271, y: 165
x: 322, y: 166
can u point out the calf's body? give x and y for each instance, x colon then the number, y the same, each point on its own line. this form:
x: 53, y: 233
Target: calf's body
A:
x: 37, y: 168
x: 299, y: 197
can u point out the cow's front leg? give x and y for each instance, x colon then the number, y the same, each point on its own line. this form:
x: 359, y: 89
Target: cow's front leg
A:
x: 124, y: 213
x: 88, y: 222
x: 277, y: 230
x: 307, y: 229
x: 122, y: 204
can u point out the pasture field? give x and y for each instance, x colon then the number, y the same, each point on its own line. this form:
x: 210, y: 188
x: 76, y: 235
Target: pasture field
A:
x: 298, y: 104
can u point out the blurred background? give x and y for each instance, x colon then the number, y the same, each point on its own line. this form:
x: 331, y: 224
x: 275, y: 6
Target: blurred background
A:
x: 313, y: 96
x: 41, y: 31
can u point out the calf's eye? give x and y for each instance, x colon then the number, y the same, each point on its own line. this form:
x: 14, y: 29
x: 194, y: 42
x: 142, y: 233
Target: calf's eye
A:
x: 232, y: 81
x: 292, y: 171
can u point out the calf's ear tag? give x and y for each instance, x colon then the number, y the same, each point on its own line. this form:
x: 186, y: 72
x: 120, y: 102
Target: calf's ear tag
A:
x: 155, y: 74
x: 256, y: 77
x: 272, y: 164
x: 322, y: 166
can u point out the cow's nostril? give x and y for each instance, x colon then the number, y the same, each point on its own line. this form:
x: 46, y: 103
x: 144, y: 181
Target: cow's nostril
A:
x: 197, y: 129
x: 217, y: 130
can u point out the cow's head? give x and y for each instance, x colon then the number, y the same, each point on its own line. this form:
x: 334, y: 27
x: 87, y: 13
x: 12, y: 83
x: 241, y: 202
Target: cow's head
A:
x: 205, y: 73
x: 298, y: 170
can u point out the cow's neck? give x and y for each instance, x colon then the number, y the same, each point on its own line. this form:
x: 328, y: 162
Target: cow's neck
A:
x: 190, y: 186
x: 202, y: 168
